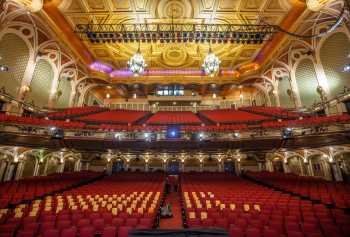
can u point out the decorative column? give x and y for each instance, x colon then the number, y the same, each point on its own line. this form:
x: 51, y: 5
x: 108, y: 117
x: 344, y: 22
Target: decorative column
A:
x: 310, y: 168
x: 182, y: 166
x: 147, y: 166
x: 238, y: 166
x: 9, y: 171
x: 201, y: 166
x: 77, y: 166
x: 260, y: 166
x: 61, y: 166
x: 36, y: 167
x: 3, y: 169
x: 164, y: 165
x: 269, y: 165
x: 220, y: 166
x: 19, y: 171
x: 301, y: 166
x: 286, y: 167
x: 336, y: 171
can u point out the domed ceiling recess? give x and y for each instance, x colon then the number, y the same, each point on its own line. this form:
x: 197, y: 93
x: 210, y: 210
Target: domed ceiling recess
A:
x: 174, y: 55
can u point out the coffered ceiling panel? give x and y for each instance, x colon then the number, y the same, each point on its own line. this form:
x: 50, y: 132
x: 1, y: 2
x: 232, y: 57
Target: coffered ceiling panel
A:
x: 177, y: 55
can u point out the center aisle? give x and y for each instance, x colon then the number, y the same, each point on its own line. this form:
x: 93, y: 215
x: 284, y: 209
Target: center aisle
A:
x: 176, y: 221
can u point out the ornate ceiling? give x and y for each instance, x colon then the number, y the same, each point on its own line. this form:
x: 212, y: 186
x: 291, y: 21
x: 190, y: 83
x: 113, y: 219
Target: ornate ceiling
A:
x: 174, y: 55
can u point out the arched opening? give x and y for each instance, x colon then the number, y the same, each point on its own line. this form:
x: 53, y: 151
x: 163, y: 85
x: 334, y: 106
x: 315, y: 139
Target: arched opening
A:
x: 118, y: 165
x: 295, y: 165
x: 4, y: 162
x: 69, y: 164
x: 64, y: 91
x: 334, y: 56
x: 15, y: 55
x: 155, y: 164
x: 210, y: 164
x: 29, y: 165
x: 277, y: 164
x: 284, y: 89
x: 192, y: 164
x: 229, y: 166
x: 52, y: 165
x: 344, y: 163
x: 40, y: 86
x: 137, y: 164
x: 320, y: 167
x: 173, y: 166
x: 307, y: 82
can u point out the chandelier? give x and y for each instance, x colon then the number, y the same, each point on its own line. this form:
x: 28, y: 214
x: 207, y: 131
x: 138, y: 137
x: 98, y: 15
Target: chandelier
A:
x: 3, y: 68
x: 211, y: 64
x: 137, y: 64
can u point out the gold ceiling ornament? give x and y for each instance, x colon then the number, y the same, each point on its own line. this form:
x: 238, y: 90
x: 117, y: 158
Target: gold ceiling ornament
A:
x: 315, y: 5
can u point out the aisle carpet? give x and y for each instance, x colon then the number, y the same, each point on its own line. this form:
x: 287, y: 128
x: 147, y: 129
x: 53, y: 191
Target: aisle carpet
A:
x: 176, y: 221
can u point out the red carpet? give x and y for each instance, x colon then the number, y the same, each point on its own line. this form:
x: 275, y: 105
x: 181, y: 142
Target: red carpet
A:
x: 176, y: 221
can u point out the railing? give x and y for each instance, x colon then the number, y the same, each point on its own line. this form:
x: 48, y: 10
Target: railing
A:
x: 28, y: 106
x: 247, y: 134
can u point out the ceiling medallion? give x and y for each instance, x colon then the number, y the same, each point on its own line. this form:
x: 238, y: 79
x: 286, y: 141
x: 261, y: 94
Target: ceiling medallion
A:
x: 211, y: 64
x: 137, y: 64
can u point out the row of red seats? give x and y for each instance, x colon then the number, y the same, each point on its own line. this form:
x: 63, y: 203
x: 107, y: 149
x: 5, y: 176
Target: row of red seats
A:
x: 13, y: 192
x: 251, y: 210
x: 233, y: 116
x: 75, y: 111
x: 40, y: 122
x: 315, y: 188
x: 177, y: 118
x: 115, y: 116
x: 273, y: 111
x: 123, y: 201
x: 307, y: 122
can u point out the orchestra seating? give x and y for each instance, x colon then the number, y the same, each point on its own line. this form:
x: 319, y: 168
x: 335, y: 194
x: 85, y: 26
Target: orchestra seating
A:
x: 72, y: 112
x: 318, y: 189
x: 115, y: 203
x: 13, y: 192
x: 114, y: 117
x: 251, y: 210
x: 277, y: 112
x: 178, y: 118
x: 232, y: 116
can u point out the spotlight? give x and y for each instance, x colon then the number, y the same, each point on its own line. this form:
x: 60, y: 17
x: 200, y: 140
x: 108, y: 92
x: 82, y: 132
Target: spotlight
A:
x: 117, y: 136
x: 236, y: 135
x: 346, y: 68
x: 4, y: 68
x: 53, y: 129
x: 287, y: 133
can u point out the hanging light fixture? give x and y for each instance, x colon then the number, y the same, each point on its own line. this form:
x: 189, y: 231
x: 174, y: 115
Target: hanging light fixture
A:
x: 137, y: 64
x: 211, y: 64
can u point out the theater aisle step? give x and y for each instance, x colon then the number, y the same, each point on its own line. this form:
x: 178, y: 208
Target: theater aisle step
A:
x: 175, y: 222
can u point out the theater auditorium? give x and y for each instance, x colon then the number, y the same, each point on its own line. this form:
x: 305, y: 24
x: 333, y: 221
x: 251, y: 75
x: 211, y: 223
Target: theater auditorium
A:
x: 135, y: 118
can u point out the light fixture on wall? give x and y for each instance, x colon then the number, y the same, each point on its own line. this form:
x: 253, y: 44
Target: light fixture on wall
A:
x: 3, y: 68
x: 346, y: 68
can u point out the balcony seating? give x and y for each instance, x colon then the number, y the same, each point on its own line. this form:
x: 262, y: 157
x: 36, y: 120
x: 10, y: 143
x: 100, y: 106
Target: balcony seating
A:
x: 13, y: 192
x: 114, y: 117
x: 171, y: 118
x: 40, y: 122
x: 273, y: 111
x: 315, y: 188
x: 113, y: 204
x: 308, y: 122
x: 233, y: 116
x: 72, y: 112
x: 247, y: 209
